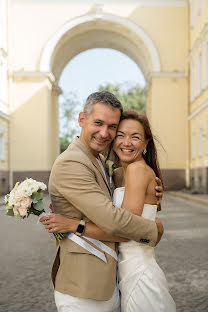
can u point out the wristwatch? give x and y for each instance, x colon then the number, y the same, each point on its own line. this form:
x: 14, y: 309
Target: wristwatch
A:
x: 80, y: 228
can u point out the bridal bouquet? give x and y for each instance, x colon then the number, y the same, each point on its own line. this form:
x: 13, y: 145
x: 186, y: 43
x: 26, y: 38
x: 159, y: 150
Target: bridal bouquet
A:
x: 27, y: 198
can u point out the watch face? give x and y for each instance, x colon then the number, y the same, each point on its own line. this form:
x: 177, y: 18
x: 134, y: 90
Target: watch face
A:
x: 80, y: 228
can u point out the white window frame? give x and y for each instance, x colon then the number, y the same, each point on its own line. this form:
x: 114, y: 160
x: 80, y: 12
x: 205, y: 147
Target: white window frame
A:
x: 200, y: 73
x: 200, y: 138
x: 2, y: 142
x: 193, y: 142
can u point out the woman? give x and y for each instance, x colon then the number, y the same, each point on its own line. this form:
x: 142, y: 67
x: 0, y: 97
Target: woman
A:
x: 141, y: 281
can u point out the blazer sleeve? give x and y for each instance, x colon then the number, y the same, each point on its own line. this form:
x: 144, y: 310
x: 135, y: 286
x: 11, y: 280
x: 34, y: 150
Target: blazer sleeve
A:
x: 77, y: 184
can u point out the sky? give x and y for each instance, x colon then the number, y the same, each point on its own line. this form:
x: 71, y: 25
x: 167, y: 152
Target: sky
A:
x: 89, y: 69
x: 92, y: 68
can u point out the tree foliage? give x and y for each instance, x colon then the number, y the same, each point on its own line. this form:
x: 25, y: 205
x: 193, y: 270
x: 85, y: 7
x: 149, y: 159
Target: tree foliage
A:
x: 69, y: 107
x: 130, y: 97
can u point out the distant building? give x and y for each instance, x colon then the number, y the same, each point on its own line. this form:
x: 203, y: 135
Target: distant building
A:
x: 167, y: 39
x: 4, y: 99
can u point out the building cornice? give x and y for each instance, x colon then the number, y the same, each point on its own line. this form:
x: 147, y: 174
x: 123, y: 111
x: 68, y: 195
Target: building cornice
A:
x: 170, y: 75
x: 143, y: 3
x: 36, y: 76
x: 32, y: 75
x: 198, y: 110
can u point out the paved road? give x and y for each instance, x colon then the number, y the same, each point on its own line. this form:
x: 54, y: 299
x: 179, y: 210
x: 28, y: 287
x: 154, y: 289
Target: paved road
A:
x: 26, y: 253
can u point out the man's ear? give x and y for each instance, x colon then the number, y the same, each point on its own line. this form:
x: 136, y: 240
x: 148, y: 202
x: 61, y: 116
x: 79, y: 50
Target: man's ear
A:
x: 81, y: 119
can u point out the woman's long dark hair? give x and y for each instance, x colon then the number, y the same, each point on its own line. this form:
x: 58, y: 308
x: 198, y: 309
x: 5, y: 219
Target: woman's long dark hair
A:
x: 150, y: 157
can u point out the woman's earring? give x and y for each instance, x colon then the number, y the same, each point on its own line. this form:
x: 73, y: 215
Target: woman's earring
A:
x: 144, y: 151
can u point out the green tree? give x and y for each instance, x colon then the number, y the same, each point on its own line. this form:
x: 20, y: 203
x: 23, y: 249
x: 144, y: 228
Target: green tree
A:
x: 130, y: 97
x: 69, y: 106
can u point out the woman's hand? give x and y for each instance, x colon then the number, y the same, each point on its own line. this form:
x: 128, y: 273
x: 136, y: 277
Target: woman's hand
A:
x: 160, y: 229
x: 159, y: 190
x: 57, y: 223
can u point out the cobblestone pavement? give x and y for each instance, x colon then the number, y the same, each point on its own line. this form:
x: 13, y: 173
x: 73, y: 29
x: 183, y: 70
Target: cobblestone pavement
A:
x: 27, y: 252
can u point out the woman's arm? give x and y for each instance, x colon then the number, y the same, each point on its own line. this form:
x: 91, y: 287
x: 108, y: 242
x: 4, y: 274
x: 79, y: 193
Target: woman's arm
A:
x: 57, y: 223
x: 136, y: 183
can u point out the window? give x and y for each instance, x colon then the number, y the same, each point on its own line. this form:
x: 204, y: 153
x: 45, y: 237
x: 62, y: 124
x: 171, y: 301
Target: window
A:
x: 199, y: 6
x: 192, y: 82
x: 2, y: 142
x: 192, y: 12
x: 193, y: 143
x: 200, y: 151
x: 200, y: 73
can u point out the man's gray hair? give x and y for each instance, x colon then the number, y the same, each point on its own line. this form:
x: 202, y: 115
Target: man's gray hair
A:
x: 104, y: 97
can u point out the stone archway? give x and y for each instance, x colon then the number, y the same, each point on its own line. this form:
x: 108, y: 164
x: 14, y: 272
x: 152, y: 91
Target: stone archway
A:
x: 98, y: 31
x: 139, y: 32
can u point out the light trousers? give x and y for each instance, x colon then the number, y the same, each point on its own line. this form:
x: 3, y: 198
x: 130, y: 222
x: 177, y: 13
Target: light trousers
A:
x: 67, y: 303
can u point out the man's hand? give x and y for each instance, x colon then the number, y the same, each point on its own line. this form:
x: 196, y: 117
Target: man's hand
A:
x: 160, y: 229
x: 51, y: 208
x: 159, y: 190
x: 57, y: 223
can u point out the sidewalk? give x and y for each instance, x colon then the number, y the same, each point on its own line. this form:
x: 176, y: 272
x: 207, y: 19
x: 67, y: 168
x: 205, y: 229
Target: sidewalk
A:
x: 1, y: 200
x: 199, y: 198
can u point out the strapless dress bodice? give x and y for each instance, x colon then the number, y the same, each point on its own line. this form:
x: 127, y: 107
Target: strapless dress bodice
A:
x: 142, y: 283
x: 149, y: 211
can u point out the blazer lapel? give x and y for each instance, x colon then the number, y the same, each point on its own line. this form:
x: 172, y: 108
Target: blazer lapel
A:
x: 93, y: 159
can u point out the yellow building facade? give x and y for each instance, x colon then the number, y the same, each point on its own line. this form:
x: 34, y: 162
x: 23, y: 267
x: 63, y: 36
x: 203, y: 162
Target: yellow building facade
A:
x: 198, y: 104
x: 4, y: 100
x: 43, y: 36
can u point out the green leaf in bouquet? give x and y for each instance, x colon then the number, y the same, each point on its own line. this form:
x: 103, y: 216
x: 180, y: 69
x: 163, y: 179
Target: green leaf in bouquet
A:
x: 38, y: 206
x: 10, y: 213
x: 36, y: 196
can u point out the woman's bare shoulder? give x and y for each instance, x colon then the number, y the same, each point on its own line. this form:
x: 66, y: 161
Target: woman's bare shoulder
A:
x: 139, y: 168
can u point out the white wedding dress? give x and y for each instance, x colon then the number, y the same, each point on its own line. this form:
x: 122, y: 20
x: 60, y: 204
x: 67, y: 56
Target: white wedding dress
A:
x: 142, y: 283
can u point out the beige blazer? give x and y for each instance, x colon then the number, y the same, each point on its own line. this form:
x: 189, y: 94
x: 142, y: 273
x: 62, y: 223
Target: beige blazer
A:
x: 79, y: 189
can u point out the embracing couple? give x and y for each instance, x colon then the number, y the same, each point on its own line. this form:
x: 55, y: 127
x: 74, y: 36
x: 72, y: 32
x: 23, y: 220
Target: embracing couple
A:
x: 107, y: 262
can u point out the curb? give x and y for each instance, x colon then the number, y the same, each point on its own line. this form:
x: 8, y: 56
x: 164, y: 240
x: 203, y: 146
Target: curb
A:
x: 189, y: 197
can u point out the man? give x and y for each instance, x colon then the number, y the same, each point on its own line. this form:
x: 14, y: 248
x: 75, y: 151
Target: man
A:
x: 79, y: 188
